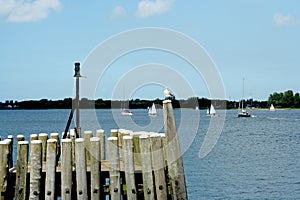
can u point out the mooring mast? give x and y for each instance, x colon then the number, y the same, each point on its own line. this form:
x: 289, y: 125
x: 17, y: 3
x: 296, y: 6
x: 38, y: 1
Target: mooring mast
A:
x: 77, y: 101
x: 75, y: 105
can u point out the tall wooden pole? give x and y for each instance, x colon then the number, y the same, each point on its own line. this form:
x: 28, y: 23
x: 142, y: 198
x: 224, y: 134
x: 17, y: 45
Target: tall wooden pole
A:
x: 77, y: 102
x: 174, y: 157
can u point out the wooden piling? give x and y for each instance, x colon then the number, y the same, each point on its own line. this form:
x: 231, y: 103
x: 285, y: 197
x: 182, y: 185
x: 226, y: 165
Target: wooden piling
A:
x: 56, y: 137
x: 81, y: 177
x: 129, y: 167
x: 33, y: 137
x: 87, y: 136
x: 66, y: 169
x: 10, y: 150
x: 21, y: 170
x: 158, y: 166
x: 136, y: 147
x: 95, y: 160
x: 114, y: 133
x: 20, y: 138
x: 50, y: 169
x: 4, y: 151
x: 174, y: 157
x: 114, y: 168
x: 35, y: 169
x: 148, y: 186
x: 101, y: 135
x: 43, y: 137
x: 73, y: 137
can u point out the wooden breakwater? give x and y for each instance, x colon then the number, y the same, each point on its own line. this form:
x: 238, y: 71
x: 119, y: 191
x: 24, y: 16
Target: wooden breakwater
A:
x: 138, y: 165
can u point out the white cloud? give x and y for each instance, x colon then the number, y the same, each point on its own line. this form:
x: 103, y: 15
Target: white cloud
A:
x: 146, y: 8
x: 28, y: 11
x: 284, y: 20
x: 118, y: 12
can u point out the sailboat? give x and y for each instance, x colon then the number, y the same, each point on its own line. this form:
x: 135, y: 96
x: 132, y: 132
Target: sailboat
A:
x: 243, y: 113
x: 152, y: 111
x: 272, y: 108
x: 212, y: 111
x: 125, y: 111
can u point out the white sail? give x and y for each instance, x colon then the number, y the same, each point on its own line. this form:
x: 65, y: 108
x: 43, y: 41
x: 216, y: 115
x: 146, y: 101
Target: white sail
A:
x: 212, y: 110
x: 272, y: 107
x: 152, y: 110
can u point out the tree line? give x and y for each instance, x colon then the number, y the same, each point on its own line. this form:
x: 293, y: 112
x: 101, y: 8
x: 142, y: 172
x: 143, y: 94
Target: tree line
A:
x: 190, y: 103
x: 285, y: 99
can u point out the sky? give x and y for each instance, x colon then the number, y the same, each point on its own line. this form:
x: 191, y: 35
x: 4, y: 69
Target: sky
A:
x: 254, y: 40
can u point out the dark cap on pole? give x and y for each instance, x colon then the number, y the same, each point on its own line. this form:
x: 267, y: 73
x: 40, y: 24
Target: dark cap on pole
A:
x: 77, y: 69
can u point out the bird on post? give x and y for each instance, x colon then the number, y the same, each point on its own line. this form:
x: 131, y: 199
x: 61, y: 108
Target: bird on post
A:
x: 168, y: 94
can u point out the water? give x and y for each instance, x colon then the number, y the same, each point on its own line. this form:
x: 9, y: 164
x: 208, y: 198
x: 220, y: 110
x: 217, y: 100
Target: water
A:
x: 255, y: 158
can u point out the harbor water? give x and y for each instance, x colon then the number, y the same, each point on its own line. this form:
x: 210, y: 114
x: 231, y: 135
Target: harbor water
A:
x: 254, y: 158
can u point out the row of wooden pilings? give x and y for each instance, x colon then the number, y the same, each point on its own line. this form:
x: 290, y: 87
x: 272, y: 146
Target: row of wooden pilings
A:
x: 139, y: 165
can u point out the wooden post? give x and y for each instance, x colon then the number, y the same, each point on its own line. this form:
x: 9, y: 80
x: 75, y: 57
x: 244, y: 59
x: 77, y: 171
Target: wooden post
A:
x: 129, y: 167
x: 20, y: 138
x: 50, y: 169
x: 174, y: 157
x: 136, y: 147
x: 81, y: 177
x: 44, y: 137
x: 10, y: 151
x: 33, y: 137
x: 4, y: 146
x: 101, y: 135
x: 146, y: 168
x: 95, y: 160
x: 21, y: 170
x: 114, y: 168
x: 66, y: 169
x: 114, y: 133
x: 158, y: 166
x: 56, y: 137
x: 73, y: 137
x: 35, y: 169
x: 87, y: 136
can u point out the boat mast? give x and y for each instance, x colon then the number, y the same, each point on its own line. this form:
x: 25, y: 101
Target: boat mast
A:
x: 243, y: 94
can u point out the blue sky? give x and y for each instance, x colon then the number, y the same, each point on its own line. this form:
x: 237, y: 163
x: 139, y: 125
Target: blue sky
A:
x: 40, y: 40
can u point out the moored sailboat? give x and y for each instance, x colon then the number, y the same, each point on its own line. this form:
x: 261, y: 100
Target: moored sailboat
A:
x: 212, y: 111
x: 272, y: 108
x: 152, y: 111
x: 243, y: 113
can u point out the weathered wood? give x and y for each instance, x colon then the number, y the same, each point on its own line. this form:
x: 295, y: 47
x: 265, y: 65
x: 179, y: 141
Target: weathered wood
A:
x: 35, y: 169
x: 174, y: 157
x: 44, y: 137
x: 33, y: 137
x: 73, y: 137
x: 100, y: 134
x: 114, y: 133
x: 148, y: 186
x: 87, y: 136
x: 66, y: 169
x: 20, y: 138
x: 10, y: 151
x: 56, y: 137
x: 4, y: 146
x: 158, y: 166
x: 81, y: 177
x: 21, y: 170
x: 129, y: 167
x: 50, y: 169
x: 114, y: 164
x: 95, y: 168
x: 136, y: 147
